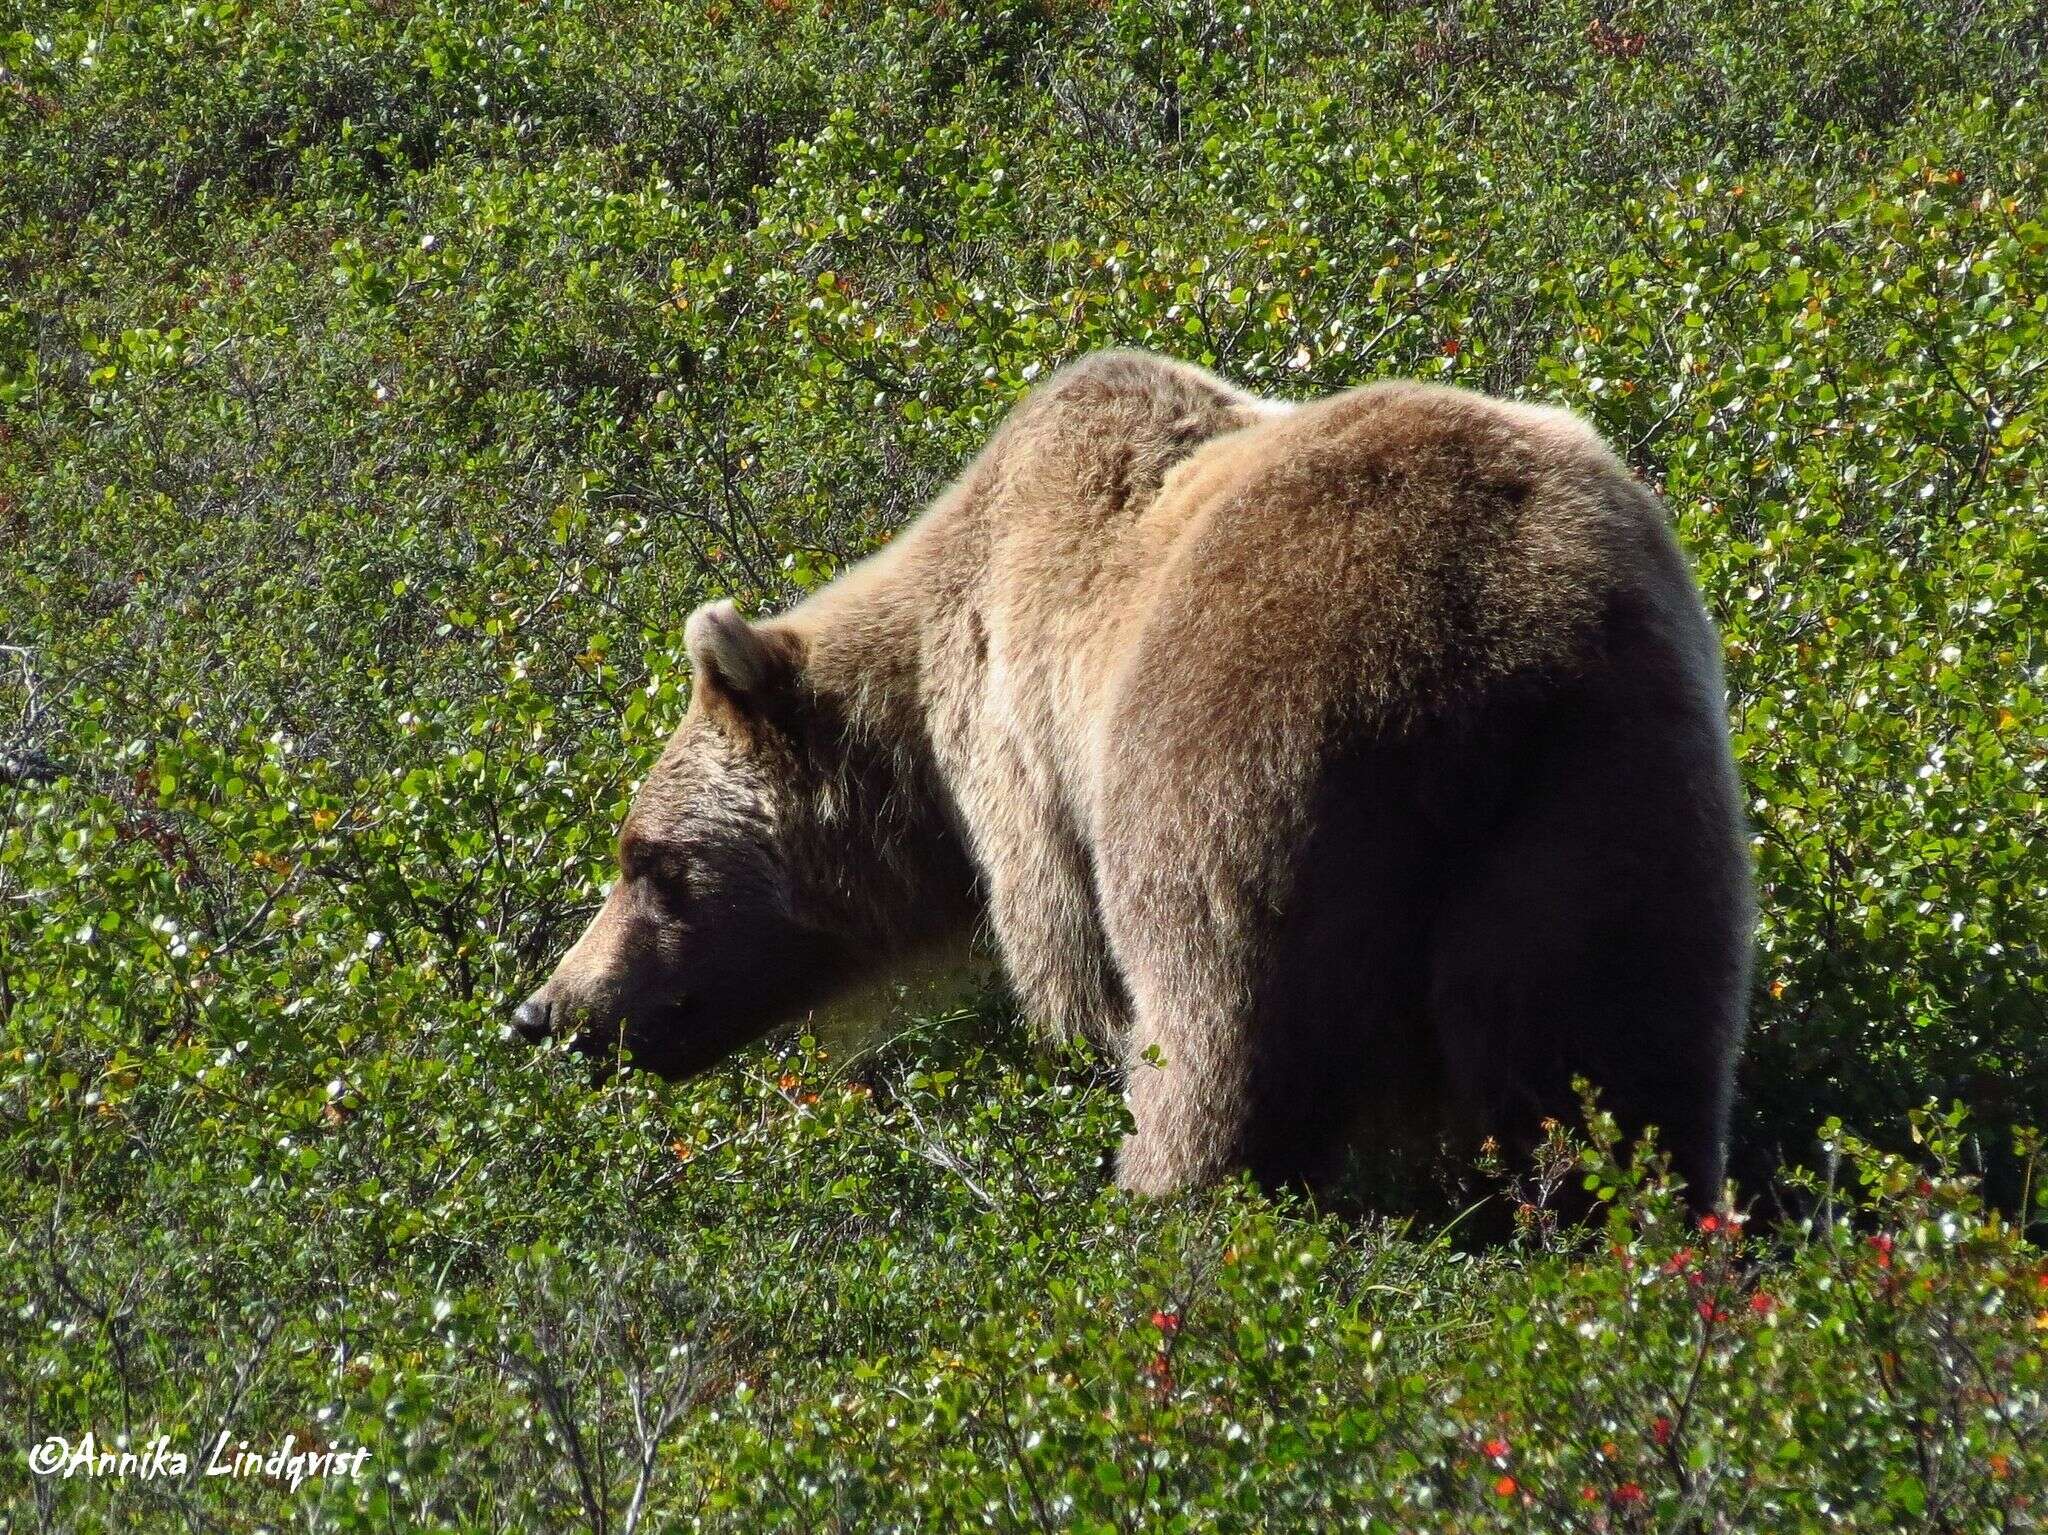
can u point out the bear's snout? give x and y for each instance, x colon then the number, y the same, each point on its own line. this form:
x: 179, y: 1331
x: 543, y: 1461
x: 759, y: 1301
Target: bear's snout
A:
x: 533, y: 1019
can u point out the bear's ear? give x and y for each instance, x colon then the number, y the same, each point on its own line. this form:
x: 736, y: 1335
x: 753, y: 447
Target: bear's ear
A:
x: 736, y: 663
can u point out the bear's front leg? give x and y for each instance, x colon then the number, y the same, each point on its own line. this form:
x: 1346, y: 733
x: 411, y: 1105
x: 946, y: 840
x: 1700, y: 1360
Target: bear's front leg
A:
x: 1043, y: 908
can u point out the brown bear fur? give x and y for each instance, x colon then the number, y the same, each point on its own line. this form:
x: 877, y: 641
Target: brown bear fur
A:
x: 1333, y: 761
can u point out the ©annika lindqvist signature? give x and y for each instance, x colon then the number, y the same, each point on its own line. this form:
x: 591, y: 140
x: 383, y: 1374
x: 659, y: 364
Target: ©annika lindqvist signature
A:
x: 61, y: 1457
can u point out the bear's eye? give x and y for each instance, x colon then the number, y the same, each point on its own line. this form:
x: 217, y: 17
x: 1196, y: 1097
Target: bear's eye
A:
x: 665, y: 868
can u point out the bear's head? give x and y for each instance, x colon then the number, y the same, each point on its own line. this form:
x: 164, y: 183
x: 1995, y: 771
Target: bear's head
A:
x: 764, y: 867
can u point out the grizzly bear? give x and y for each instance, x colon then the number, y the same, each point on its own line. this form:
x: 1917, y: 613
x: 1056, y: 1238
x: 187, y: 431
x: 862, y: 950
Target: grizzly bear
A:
x: 1335, y: 763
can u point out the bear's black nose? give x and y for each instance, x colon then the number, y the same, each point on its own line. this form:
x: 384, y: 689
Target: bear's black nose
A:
x: 532, y: 1020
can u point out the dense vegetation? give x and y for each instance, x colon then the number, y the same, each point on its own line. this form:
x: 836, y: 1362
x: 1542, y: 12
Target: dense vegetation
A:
x: 382, y: 381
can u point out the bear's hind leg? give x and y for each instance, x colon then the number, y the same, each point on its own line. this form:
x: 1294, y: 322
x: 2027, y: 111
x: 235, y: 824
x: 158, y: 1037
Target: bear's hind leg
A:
x: 1602, y: 932
x: 1180, y: 922
x: 1272, y: 948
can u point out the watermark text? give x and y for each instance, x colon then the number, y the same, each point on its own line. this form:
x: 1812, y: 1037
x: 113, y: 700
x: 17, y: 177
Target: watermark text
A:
x: 285, y: 1462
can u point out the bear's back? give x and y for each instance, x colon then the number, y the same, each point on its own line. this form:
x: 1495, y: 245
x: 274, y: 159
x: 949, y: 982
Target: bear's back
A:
x: 1139, y: 525
x: 1424, y: 541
